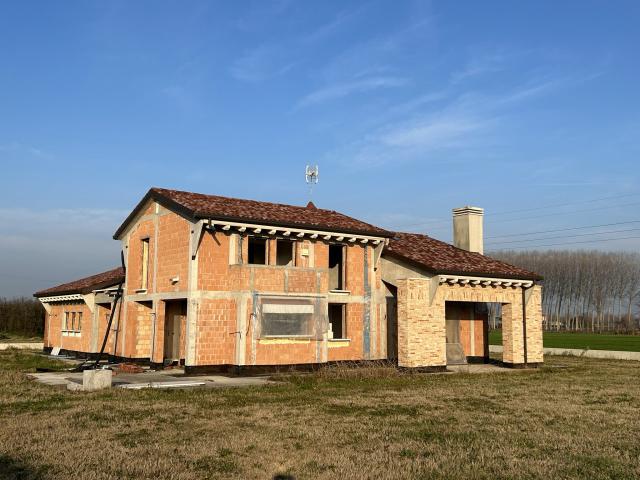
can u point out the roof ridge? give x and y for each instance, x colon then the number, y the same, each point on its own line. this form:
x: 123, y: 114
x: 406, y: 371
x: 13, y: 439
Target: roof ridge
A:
x: 301, y: 207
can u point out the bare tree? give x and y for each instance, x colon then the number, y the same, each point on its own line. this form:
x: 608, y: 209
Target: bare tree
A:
x: 21, y: 316
x: 585, y: 290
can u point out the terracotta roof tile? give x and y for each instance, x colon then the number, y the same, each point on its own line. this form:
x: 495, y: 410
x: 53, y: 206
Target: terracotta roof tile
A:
x: 87, y: 284
x: 440, y: 257
x: 198, y: 205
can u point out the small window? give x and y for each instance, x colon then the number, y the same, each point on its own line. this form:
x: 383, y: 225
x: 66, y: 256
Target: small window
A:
x: 145, y: 264
x: 257, y: 254
x: 79, y: 322
x: 284, y: 252
x: 337, y: 324
x: 336, y: 267
x: 66, y: 321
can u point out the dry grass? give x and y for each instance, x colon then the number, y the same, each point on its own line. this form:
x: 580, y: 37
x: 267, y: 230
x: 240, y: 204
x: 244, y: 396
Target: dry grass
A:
x: 576, y: 422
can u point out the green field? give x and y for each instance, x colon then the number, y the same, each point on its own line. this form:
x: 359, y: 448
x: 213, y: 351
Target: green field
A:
x: 592, y: 341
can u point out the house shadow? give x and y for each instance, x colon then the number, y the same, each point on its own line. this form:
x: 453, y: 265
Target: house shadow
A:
x: 13, y: 469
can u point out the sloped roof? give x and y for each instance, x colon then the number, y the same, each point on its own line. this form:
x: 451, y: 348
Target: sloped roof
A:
x: 440, y: 257
x: 86, y: 285
x: 198, y: 205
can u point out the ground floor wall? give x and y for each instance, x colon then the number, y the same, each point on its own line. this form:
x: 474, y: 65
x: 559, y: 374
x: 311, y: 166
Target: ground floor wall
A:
x: 77, y: 326
x: 224, y: 328
x: 228, y: 331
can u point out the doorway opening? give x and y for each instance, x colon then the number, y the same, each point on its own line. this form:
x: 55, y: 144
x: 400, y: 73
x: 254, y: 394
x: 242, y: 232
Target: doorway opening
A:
x: 175, y: 326
x: 467, y: 332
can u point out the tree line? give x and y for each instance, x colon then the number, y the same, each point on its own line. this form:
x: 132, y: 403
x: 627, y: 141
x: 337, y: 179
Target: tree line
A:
x: 21, y: 316
x: 584, y: 290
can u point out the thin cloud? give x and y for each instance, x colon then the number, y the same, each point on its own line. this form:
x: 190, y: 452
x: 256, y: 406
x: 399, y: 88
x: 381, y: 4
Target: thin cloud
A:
x: 22, y: 149
x: 436, y: 133
x: 332, y: 27
x: 340, y: 90
x: 481, y: 65
x: 260, y: 64
x: 470, y: 121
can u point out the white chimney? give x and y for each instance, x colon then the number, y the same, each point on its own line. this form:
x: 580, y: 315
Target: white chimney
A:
x: 467, y: 228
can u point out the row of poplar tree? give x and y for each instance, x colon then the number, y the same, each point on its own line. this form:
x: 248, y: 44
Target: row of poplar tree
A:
x: 591, y: 291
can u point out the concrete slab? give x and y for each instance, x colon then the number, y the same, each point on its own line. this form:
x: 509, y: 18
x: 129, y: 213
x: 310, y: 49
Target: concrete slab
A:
x: 479, y: 368
x: 151, y: 379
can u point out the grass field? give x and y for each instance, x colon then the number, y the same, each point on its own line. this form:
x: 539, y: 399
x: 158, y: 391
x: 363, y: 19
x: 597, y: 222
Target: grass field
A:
x: 593, y: 341
x: 573, y: 418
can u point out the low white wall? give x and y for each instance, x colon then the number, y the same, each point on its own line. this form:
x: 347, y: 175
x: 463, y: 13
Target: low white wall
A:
x: 576, y: 352
x: 22, y: 346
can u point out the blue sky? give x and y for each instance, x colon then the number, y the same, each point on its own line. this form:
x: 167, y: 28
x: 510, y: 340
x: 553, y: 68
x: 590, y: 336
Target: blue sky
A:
x: 409, y: 108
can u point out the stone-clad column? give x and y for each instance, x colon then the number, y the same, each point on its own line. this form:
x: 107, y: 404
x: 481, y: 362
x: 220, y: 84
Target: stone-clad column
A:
x: 421, y: 327
x: 512, y: 332
x: 534, y: 324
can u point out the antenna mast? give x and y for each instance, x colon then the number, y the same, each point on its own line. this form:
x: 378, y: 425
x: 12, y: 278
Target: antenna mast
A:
x: 311, y: 177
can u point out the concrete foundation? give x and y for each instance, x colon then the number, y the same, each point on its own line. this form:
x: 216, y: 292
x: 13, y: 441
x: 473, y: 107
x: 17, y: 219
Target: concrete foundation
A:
x: 96, y: 380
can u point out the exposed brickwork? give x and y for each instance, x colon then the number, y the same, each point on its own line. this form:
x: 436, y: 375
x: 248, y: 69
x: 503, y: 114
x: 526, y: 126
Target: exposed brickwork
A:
x: 143, y: 330
x: 69, y: 341
x: 142, y: 230
x: 534, y: 326
x: 354, y: 316
x: 421, y: 323
x: 173, y: 253
x: 421, y: 329
x: 216, y: 334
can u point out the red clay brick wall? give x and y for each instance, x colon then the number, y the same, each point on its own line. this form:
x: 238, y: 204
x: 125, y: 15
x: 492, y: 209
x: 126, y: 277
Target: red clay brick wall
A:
x: 215, y: 273
x: 144, y: 229
x: 354, y: 324
x: 56, y: 321
x: 173, y: 253
x: 103, y: 320
x: 355, y: 269
x: 216, y: 337
x: 46, y: 341
x: 287, y: 354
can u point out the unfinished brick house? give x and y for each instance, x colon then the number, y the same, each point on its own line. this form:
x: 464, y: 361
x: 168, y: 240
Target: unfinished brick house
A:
x: 230, y: 284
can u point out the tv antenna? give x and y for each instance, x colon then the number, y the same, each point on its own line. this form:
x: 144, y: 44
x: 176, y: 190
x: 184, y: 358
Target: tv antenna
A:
x: 311, y: 177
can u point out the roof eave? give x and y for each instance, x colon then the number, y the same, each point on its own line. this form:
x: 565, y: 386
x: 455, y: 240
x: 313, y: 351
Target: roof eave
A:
x: 293, y: 225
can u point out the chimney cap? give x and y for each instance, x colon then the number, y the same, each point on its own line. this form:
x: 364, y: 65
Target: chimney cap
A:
x: 468, y: 210
x: 311, y: 205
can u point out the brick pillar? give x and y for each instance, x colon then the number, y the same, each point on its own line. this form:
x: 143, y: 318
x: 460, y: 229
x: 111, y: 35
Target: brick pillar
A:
x: 534, y: 325
x: 158, y: 340
x: 512, y: 333
x: 47, y: 320
x: 421, y: 327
